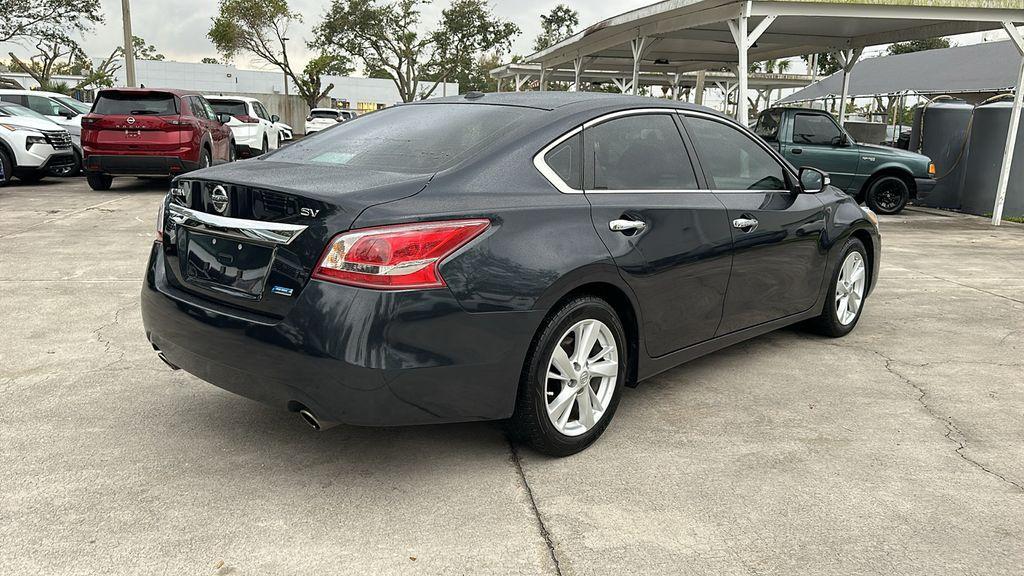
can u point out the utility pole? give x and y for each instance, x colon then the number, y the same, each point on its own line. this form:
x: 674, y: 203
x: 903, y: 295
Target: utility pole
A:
x: 284, y: 50
x: 129, y: 49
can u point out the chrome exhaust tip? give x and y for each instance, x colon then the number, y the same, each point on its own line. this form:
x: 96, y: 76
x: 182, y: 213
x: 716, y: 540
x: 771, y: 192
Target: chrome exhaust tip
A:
x: 314, y: 422
x: 161, y: 356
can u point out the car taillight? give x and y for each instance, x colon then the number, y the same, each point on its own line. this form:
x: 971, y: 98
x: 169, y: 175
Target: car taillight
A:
x: 247, y: 119
x: 400, y: 257
x: 86, y: 121
x: 160, y: 222
x: 178, y: 122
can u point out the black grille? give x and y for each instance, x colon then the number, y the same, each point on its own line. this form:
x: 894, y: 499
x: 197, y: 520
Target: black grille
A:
x: 59, y: 139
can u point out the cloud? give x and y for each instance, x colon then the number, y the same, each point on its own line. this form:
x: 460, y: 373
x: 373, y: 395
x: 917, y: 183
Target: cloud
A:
x: 178, y: 29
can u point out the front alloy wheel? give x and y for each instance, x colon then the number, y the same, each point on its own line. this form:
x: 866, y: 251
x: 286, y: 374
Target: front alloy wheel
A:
x: 850, y: 288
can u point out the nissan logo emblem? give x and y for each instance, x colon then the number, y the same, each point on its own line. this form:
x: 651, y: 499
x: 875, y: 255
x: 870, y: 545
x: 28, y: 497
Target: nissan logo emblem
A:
x: 130, y: 120
x: 219, y: 197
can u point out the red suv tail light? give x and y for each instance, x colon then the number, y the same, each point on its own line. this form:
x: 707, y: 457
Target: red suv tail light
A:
x: 400, y: 257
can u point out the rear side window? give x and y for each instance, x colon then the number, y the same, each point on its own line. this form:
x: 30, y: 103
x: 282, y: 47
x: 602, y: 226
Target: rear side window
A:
x: 732, y: 160
x: 233, y: 107
x: 136, y: 104
x: 768, y: 125
x: 566, y: 160
x: 418, y: 138
x: 815, y: 129
x: 644, y: 152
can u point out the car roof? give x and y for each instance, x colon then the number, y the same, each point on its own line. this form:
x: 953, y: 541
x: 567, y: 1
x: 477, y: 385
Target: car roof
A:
x: 552, y: 100
x: 27, y: 92
x: 229, y: 97
x: 175, y: 91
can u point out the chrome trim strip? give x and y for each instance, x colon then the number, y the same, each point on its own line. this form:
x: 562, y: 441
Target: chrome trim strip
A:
x: 253, y: 230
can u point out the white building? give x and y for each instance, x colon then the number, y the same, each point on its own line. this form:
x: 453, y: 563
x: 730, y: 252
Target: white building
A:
x: 359, y: 93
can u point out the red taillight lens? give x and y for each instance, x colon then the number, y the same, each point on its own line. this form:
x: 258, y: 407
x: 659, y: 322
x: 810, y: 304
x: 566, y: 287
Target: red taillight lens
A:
x: 400, y: 257
x: 87, y: 121
x: 247, y: 119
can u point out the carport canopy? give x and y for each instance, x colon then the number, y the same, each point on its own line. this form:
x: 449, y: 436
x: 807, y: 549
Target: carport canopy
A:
x: 677, y: 36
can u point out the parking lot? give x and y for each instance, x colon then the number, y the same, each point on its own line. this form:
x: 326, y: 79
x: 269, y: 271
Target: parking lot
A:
x: 899, y: 449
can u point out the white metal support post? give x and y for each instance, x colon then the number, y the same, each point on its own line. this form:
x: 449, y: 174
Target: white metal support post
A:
x: 543, y: 78
x: 744, y: 41
x: 847, y: 59
x: 637, y: 44
x: 698, y: 90
x: 577, y: 66
x: 1011, y: 133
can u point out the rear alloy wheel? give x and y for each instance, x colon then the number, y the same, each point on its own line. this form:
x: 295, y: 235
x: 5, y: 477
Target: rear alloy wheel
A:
x: 572, y: 380
x: 888, y: 195
x: 99, y: 182
x: 844, y: 301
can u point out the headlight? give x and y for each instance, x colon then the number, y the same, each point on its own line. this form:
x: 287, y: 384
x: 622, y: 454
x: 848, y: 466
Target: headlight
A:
x: 870, y: 215
x: 33, y: 140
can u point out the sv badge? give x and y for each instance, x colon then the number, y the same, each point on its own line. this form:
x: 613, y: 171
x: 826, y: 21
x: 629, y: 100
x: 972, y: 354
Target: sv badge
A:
x: 308, y: 212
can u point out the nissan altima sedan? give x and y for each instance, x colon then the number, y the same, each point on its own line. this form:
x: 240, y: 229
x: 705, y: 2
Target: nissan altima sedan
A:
x: 520, y: 257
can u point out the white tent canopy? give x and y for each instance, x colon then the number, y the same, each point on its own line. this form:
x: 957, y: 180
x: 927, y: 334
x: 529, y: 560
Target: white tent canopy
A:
x: 676, y: 36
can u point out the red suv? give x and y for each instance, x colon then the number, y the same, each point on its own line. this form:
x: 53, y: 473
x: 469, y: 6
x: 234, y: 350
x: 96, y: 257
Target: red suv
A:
x: 152, y: 132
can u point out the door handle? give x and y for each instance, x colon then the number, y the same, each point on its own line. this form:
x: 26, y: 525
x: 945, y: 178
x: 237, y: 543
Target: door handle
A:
x: 626, y: 225
x: 797, y: 150
x: 745, y: 224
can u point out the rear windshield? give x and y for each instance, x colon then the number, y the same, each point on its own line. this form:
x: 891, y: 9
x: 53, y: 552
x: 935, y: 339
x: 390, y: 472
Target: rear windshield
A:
x: 136, y: 104
x: 324, y: 114
x: 233, y: 107
x: 419, y: 139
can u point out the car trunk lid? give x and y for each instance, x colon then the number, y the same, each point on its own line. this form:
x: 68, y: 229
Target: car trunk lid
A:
x: 249, y: 234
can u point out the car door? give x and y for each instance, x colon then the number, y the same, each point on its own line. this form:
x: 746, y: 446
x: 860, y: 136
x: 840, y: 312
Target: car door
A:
x: 669, y: 238
x: 778, y: 260
x: 817, y: 140
x: 219, y: 132
x: 269, y: 129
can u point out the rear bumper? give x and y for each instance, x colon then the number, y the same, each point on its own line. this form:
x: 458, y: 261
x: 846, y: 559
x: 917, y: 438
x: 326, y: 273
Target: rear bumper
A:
x: 349, y: 355
x: 149, y: 165
x: 924, y: 186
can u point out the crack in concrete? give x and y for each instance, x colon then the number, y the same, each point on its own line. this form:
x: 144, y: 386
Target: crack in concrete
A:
x: 968, y: 286
x: 961, y: 439
x: 107, y: 343
x: 517, y: 462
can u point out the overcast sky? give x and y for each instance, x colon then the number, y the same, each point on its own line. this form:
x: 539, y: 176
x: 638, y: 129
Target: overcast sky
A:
x: 178, y: 29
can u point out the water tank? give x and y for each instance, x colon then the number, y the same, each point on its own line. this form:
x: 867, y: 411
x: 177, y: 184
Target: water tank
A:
x: 940, y: 132
x: 988, y: 137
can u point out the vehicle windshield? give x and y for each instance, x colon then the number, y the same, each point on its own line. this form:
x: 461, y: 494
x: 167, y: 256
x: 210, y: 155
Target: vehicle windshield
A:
x: 418, y: 139
x: 233, y: 107
x: 329, y: 114
x: 80, y: 107
x: 9, y: 109
x: 136, y: 103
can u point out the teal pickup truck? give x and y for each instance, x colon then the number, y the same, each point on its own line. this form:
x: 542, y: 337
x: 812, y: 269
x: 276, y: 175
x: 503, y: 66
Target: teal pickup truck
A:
x: 883, y: 178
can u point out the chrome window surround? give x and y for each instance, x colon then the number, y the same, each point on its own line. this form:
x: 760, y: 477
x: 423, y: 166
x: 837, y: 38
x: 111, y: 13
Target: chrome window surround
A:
x: 237, y: 228
x: 558, y: 183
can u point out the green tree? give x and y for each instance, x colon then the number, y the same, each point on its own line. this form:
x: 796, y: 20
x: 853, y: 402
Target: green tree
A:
x: 36, y: 19
x: 387, y: 40
x: 260, y: 29
x: 917, y: 46
x: 58, y: 55
x: 828, y: 64
x: 209, y: 60
x: 144, y: 51
x: 556, y: 26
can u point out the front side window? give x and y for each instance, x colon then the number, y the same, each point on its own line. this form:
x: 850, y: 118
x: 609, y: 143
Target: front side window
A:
x: 261, y: 111
x: 643, y: 152
x: 198, y: 110
x: 732, y: 160
x: 768, y: 125
x: 44, y: 106
x: 815, y: 129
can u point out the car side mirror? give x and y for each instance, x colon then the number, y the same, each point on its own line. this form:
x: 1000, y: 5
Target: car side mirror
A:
x: 275, y: 118
x: 67, y: 114
x: 841, y: 141
x: 813, y: 180
x: 223, y: 117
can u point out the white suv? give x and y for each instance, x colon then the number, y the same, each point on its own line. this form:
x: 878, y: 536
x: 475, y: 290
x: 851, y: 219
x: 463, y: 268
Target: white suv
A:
x: 256, y: 131
x: 59, y: 108
x: 31, y: 146
x: 323, y: 118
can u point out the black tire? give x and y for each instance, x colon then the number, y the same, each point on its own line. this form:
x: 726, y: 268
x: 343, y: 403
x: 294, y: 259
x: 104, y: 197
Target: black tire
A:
x: 6, y: 169
x: 530, y: 422
x: 888, y: 194
x: 232, y: 152
x: 205, y: 160
x: 266, y: 146
x: 829, y: 323
x: 99, y: 182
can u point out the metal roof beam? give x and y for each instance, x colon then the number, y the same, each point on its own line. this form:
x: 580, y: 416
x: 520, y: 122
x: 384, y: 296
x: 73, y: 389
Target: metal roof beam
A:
x: 898, y: 12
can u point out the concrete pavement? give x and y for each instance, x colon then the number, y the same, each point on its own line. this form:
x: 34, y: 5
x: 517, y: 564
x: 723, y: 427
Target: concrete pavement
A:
x: 899, y: 449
